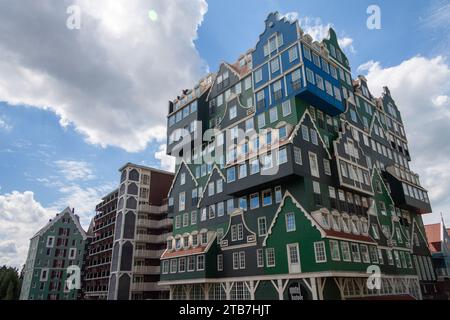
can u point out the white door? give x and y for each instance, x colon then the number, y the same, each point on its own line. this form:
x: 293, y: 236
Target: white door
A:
x: 293, y: 258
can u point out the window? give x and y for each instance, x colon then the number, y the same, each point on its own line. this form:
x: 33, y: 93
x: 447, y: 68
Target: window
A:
x: 261, y: 120
x: 177, y: 222
x: 295, y: 78
x: 240, y: 231
x: 293, y: 55
x: 274, y: 65
x: 259, y: 258
x: 316, y: 60
x: 182, y: 178
x: 241, y: 260
x: 249, y: 125
x: 231, y: 174
x: 267, y: 198
x: 282, y: 156
x: 235, y: 260
x: 286, y: 108
x: 355, y: 252
x: 211, y: 189
x: 173, y: 265
x: 319, y: 252
x: 326, y: 167
x: 278, y: 195
x: 254, y: 166
x: 307, y: 52
x: 290, y: 222
x: 219, y: 186
x: 242, y: 171
x: 185, y: 219
x: 293, y: 253
x: 247, y: 83
x: 200, y: 262
x: 254, y: 201
x: 334, y: 248
x: 262, y: 226
x: 345, y: 251
x: 273, y: 114
x: 314, y: 137
x: 329, y: 88
x: 319, y: 81
x: 243, y: 203
x: 373, y: 254
x: 193, y: 217
x: 182, y: 265
x: 165, y: 267
x: 230, y: 206
x: 220, y: 209
x: 270, y: 257
x: 233, y: 112
x: 219, y: 262
x: 282, y: 132
x: 313, y: 165
x: 298, y: 156
x: 305, y: 133
x: 365, y: 253
x: 181, y: 201
x: 310, y: 76
x: 258, y: 75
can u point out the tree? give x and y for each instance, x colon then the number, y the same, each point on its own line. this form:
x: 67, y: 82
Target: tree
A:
x: 9, y: 283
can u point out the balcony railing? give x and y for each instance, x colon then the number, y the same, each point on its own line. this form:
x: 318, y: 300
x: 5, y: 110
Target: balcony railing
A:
x: 145, y: 286
x: 146, y: 269
x: 151, y: 238
x: 149, y: 223
x: 156, y: 254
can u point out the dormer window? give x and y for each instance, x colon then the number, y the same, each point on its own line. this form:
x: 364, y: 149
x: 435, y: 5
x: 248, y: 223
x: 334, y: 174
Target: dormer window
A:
x: 345, y: 223
x: 355, y: 225
x: 364, y: 226
x: 204, y: 238
x: 169, y: 244
x: 336, y: 222
x: 178, y: 244
x: 195, y: 240
x: 325, y: 220
x: 186, y: 241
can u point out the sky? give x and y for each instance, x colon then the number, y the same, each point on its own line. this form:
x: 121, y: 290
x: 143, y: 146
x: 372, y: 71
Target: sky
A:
x: 81, y: 97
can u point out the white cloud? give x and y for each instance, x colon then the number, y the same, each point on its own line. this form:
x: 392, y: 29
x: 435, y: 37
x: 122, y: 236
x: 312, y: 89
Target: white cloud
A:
x: 166, y: 162
x: 419, y: 86
x: 82, y: 199
x: 75, y: 170
x: 112, y: 78
x: 318, y: 30
x: 441, y: 100
x: 4, y: 125
x: 21, y: 216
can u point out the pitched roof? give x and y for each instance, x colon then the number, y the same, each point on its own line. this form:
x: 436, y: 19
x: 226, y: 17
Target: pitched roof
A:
x: 74, y: 218
x: 433, y: 232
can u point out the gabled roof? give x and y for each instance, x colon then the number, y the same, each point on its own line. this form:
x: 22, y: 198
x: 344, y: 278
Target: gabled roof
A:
x: 74, y: 218
x: 215, y: 167
x: 297, y: 127
x: 299, y: 206
x: 176, y: 176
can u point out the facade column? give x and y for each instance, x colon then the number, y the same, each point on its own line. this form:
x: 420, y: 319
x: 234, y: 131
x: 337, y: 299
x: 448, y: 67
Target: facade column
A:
x: 206, y: 288
x: 171, y: 288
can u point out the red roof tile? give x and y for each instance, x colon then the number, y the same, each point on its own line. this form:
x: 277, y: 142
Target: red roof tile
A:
x: 433, y: 232
x: 183, y: 252
x: 350, y: 236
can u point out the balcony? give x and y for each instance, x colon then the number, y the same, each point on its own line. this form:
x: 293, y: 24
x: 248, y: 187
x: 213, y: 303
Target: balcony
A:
x: 406, y: 190
x: 146, y: 286
x: 150, y: 238
x: 152, y: 209
x: 146, y: 269
x: 154, y: 224
x: 151, y: 254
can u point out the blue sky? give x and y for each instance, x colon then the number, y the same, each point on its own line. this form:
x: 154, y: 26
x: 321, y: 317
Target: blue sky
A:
x: 80, y: 126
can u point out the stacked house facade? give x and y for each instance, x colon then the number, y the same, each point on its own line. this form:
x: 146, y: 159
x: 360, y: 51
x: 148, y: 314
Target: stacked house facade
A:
x: 141, y: 228
x: 292, y: 181
x: 439, y: 243
x: 55, y: 260
x: 100, y: 243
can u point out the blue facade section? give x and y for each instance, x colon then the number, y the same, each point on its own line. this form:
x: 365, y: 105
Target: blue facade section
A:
x: 274, y: 25
x: 279, y: 35
x: 318, y: 97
